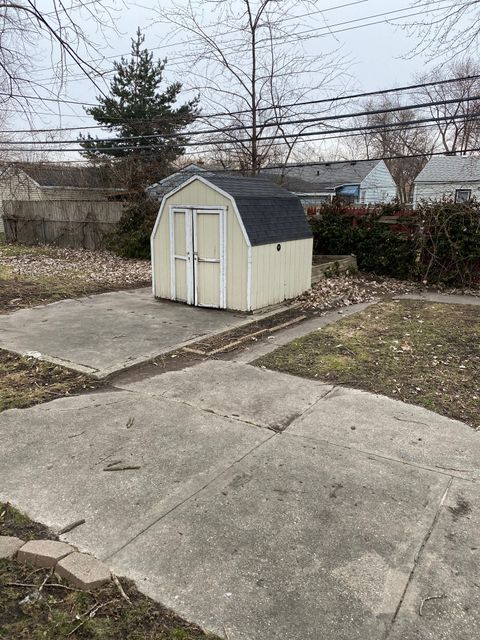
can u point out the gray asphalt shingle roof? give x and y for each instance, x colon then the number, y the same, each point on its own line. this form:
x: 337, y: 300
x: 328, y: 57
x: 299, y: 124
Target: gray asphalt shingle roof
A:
x: 297, y: 185
x: 326, y: 175
x: 174, y: 180
x: 61, y: 175
x: 450, y: 169
x: 269, y: 213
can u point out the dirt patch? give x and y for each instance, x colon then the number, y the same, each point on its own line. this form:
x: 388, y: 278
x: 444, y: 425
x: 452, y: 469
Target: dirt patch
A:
x: 25, y: 381
x: 238, y: 338
x: 37, y: 275
x: 14, y: 523
x: 54, y: 611
x: 423, y: 353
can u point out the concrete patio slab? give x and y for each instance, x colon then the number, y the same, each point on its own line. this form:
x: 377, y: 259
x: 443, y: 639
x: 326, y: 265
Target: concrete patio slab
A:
x: 299, y: 540
x: 54, y: 456
x: 377, y: 424
x: 445, y: 586
x: 238, y: 391
x: 109, y: 332
x: 333, y: 528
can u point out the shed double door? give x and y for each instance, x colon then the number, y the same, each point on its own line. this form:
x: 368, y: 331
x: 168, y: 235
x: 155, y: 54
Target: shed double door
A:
x: 198, y: 256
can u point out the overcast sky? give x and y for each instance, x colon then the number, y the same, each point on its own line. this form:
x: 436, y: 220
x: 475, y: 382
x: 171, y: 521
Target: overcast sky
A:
x: 378, y: 53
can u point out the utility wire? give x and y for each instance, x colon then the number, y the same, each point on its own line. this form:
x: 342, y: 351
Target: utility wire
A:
x: 227, y: 141
x: 274, y: 123
x: 332, y: 99
x: 298, y: 164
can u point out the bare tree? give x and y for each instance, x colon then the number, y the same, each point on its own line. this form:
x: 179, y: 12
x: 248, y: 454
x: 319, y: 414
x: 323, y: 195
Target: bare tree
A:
x: 393, y: 135
x: 457, y: 122
x: 25, y: 27
x: 446, y: 30
x: 250, y: 56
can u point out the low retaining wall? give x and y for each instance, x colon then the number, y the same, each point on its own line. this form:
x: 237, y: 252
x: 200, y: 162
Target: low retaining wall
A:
x: 331, y: 265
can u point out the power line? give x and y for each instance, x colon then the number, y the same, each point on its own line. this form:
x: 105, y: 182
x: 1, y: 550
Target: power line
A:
x: 297, y: 164
x: 376, y: 159
x: 277, y: 123
x: 333, y: 99
x: 303, y: 134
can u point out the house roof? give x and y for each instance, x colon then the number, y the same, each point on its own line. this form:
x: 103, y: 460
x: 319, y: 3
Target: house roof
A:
x: 160, y: 188
x: 451, y: 169
x: 61, y: 175
x: 329, y: 175
x: 269, y: 213
x: 297, y: 185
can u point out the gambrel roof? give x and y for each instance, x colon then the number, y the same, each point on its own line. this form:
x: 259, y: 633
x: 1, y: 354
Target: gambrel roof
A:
x: 269, y: 214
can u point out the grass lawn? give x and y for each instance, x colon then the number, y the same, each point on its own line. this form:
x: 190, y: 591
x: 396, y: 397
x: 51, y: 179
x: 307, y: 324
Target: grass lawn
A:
x: 36, y: 612
x: 419, y: 352
x: 28, y: 381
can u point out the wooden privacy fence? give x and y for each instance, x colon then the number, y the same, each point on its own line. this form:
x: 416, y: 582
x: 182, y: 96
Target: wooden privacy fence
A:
x: 65, y: 223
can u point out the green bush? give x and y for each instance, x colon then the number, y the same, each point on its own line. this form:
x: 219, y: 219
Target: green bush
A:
x: 340, y: 231
x: 448, y: 243
x: 132, y: 236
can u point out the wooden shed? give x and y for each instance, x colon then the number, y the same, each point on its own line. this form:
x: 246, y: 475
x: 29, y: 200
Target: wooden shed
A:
x: 230, y: 243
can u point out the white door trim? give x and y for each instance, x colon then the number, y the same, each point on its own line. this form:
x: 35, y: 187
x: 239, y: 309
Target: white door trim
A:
x: 221, y: 212
x: 189, y: 252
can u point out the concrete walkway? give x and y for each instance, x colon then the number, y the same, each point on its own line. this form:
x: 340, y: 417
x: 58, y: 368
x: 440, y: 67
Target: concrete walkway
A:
x: 266, y: 507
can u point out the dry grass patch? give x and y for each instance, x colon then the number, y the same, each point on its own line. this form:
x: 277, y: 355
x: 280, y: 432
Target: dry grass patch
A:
x: 37, y: 275
x: 26, y: 381
x: 423, y: 353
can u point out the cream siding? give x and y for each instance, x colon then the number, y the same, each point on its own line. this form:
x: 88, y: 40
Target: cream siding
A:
x: 195, y: 195
x: 280, y: 275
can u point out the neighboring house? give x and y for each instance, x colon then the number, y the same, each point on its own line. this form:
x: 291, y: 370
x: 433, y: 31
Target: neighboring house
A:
x: 359, y: 182
x: 456, y: 177
x: 37, y: 181
x: 159, y: 189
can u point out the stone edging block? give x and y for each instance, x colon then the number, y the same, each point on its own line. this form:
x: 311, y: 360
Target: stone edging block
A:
x: 81, y: 570
x: 43, y: 553
x: 9, y: 545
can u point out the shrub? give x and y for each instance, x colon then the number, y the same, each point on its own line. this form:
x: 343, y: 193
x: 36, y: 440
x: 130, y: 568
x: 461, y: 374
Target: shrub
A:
x: 342, y: 231
x: 448, y: 242
x: 132, y: 236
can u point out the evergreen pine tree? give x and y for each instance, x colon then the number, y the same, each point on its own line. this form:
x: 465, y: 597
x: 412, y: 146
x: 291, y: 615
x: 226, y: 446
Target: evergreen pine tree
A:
x: 140, y: 112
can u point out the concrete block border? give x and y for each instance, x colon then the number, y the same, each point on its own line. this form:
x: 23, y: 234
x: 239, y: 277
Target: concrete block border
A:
x: 80, y: 570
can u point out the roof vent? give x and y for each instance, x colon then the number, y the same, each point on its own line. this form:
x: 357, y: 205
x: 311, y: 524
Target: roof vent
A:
x: 353, y: 163
x: 327, y: 164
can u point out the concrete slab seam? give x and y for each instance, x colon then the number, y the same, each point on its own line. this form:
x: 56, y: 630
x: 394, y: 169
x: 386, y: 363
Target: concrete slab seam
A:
x: 418, y: 555
x: 188, y: 498
x: 196, y: 407
x: 311, y: 407
x: 380, y: 456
